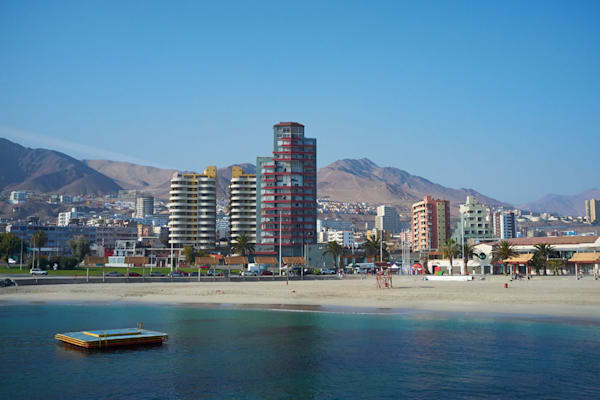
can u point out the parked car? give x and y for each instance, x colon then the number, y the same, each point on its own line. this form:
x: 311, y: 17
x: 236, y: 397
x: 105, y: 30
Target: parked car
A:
x: 194, y: 273
x: 178, y: 274
x: 114, y: 273
x: 266, y: 272
x: 211, y: 272
x: 156, y: 274
x: 37, y: 271
x: 327, y: 271
x: 134, y: 274
x: 249, y: 273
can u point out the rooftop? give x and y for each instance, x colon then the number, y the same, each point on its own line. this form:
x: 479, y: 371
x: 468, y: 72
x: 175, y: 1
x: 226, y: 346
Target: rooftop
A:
x: 289, y: 124
x: 555, y: 240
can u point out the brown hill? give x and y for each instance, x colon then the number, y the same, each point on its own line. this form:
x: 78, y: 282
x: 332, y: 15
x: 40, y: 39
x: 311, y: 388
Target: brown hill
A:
x: 156, y: 180
x: 363, y: 180
x: 573, y: 205
x: 135, y: 177
x: 48, y: 171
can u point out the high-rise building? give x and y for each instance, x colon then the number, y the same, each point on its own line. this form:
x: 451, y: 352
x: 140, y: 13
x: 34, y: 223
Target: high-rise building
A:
x: 430, y: 223
x: 286, y: 193
x: 144, y: 205
x: 504, y: 225
x: 474, y: 220
x: 387, y: 219
x: 242, y: 204
x: 592, y: 211
x: 193, y: 209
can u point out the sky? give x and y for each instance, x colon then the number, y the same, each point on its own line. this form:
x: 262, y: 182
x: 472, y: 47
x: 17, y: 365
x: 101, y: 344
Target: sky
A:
x: 502, y: 97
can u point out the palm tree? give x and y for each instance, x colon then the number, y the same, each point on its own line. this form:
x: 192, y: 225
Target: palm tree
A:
x: 372, y: 246
x: 468, y: 251
x: 335, y: 249
x: 450, y: 250
x: 38, y: 239
x: 242, y: 245
x: 543, y: 250
x: 502, y: 251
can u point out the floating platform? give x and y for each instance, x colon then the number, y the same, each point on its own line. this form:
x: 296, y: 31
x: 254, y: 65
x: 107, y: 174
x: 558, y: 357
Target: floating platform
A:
x: 112, y: 338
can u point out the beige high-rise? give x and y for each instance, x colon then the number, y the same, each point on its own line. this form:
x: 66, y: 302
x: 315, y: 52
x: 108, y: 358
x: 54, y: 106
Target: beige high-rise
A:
x: 242, y: 204
x: 592, y: 210
x: 193, y: 209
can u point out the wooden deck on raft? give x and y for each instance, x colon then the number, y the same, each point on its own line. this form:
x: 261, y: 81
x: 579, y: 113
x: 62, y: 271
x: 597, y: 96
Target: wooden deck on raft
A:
x: 112, y: 338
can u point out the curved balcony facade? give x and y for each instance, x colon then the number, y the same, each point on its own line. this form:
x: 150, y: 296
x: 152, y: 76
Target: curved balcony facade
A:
x: 193, y: 209
x: 242, y: 205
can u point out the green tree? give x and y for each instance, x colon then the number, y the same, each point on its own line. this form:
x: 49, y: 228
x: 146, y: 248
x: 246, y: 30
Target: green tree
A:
x: 468, y: 251
x: 242, y: 245
x: 38, y: 240
x: 502, y: 251
x: 372, y: 247
x: 450, y: 250
x: 556, y: 266
x: 10, y: 244
x: 190, y: 254
x: 543, y: 250
x: 336, y: 250
x: 80, y: 246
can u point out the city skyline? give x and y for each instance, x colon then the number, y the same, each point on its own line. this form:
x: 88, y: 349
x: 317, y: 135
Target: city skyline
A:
x: 465, y: 95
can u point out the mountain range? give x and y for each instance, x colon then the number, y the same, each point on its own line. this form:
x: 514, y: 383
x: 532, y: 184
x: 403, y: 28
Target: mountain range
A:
x: 562, y: 204
x: 352, y: 180
x: 49, y: 171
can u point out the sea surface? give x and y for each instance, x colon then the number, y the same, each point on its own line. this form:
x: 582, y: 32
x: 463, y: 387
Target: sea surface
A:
x: 230, y: 353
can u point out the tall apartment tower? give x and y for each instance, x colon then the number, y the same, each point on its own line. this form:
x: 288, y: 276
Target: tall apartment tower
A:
x: 430, y: 223
x: 387, y: 219
x: 144, y: 205
x: 193, y: 209
x: 475, y: 220
x: 592, y: 211
x: 242, y: 204
x: 286, y: 193
x: 505, y: 225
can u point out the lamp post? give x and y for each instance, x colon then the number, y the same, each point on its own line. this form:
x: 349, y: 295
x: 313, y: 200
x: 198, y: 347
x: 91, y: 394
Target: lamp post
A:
x: 462, y: 229
x: 280, y: 241
x: 21, y: 259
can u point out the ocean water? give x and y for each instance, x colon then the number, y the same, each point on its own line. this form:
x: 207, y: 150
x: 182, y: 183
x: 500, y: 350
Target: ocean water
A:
x: 257, y: 354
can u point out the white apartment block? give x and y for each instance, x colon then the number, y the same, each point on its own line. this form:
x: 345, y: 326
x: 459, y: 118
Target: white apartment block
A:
x: 475, y: 219
x: 242, y: 204
x: 65, y: 218
x: 193, y: 209
x: 344, y: 238
x: 17, y: 197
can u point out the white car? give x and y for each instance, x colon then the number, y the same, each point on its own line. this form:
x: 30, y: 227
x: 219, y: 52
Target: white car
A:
x: 37, y: 271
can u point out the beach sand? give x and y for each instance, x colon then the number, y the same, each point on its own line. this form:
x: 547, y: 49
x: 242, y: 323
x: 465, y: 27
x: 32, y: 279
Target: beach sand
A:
x: 548, y: 296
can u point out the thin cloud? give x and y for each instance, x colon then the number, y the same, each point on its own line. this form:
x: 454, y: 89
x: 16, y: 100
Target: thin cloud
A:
x: 74, y: 149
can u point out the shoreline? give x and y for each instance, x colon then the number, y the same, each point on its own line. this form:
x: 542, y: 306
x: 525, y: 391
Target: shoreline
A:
x: 548, y: 297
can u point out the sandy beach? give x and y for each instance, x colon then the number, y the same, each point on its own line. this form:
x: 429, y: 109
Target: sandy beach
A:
x: 549, y: 296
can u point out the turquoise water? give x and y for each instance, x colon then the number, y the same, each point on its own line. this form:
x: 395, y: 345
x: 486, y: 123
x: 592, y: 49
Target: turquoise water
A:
x: 254, y: 354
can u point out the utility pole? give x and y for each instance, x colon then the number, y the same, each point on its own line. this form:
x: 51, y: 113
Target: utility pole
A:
x: 171, y: 256
x: 280, y: 242
x: 462, y: 229
x: 21, y: 259
x: 381, y: 247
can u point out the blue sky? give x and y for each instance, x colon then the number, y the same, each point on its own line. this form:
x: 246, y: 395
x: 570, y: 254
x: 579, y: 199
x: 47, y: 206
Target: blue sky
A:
x: 502, y: 97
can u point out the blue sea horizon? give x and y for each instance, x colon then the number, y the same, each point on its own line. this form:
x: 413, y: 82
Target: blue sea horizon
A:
x: 226, y: 352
